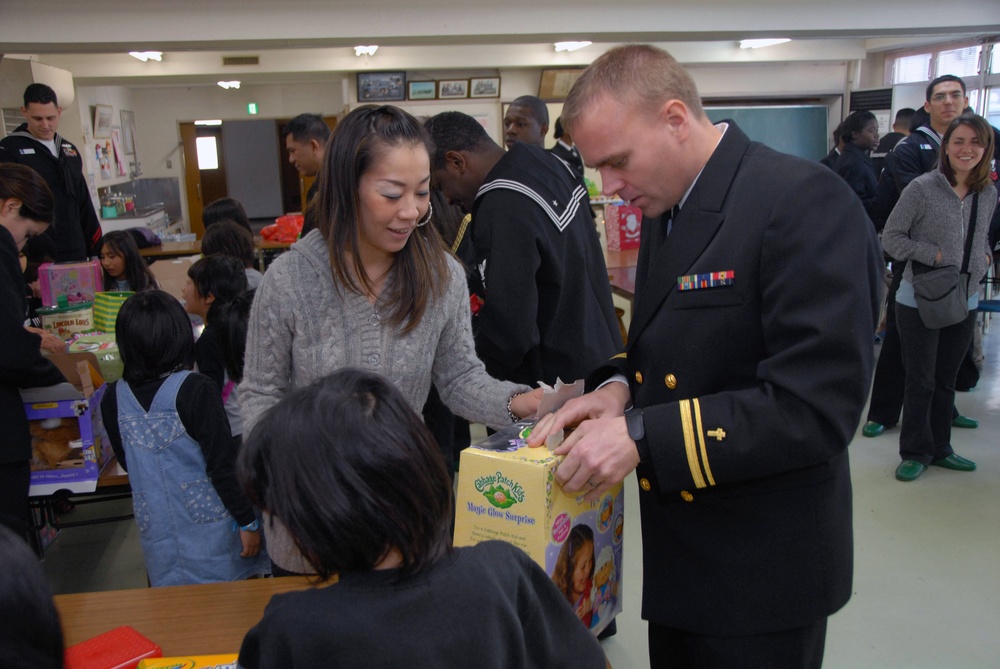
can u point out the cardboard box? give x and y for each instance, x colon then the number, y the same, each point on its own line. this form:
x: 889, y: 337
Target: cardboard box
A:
x: 508, y: 492
x: 105, y: 349
x: 77, y: 281
x: 622, y: 226
x: 79, y: 408
x: 224, y: 661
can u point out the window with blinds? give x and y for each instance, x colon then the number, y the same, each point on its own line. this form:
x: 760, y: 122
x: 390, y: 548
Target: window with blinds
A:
x: 962, y: 62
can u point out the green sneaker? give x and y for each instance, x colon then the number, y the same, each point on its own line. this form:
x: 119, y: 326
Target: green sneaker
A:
x: 872, y: 429
x: 966, y: 422
x: 909, y: 470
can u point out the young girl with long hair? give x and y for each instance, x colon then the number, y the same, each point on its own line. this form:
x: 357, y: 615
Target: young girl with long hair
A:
x: 124, y: 268
x: 168, y: 428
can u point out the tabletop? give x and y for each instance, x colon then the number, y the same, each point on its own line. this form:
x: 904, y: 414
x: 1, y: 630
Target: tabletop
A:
x: 182, y: 620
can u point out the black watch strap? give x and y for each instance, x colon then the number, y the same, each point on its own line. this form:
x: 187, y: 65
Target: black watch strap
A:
x: 633, y: 421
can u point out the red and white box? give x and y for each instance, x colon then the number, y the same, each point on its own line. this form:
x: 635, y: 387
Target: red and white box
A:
x: 623, y: 224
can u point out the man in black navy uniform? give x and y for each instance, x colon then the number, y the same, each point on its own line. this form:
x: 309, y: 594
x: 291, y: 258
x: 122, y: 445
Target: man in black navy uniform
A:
x: 565, y: 150
x: 76, y: 229
x: 748, y: 363
x: 546, y: 308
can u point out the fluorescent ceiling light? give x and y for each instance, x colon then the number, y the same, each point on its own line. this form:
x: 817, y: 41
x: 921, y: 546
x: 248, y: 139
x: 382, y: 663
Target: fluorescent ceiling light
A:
x: 229, y: 84
x: 214, y: 121
x: 571, y: 46
x: 147, y: 55
x: 759, y: 43
x: 365, y: 50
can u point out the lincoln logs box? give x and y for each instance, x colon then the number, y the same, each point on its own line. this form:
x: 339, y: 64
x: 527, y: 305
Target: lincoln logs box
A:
x: 508, y: 492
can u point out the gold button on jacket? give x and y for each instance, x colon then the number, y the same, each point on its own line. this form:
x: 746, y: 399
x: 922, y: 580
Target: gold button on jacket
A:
x: 644, y: 484
x: 686, y: 496
x: 671, y: 381
x: 638, y: 377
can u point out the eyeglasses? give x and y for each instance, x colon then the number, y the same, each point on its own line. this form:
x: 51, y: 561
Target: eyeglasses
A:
x: 957, y: 96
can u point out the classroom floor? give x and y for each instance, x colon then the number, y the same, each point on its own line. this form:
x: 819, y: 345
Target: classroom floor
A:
x: 927, y: 553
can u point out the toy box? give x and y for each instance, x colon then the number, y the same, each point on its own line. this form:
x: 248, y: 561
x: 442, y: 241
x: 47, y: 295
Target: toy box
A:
x: 69, y: 446
x: 507, y: 491
x: 622, y: 225
x: 77, y: 281
x: 225, y: 661
x: 66, y: 321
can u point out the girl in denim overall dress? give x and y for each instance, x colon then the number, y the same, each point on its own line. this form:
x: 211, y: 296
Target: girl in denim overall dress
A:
x: 169, y: 430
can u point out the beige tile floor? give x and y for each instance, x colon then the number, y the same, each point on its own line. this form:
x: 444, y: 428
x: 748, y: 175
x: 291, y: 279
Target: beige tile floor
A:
x: 927, y: 554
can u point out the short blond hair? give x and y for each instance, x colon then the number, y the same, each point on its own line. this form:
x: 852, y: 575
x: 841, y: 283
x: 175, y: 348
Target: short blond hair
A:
x: 643, y: 75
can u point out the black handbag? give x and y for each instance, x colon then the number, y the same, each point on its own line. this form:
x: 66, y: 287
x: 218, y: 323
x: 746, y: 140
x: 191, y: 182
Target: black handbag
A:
x: 942, y: 293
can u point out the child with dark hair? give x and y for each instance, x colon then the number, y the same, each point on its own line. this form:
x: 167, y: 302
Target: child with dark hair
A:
x: 212, y: 282
x: 230, y: 322
x: 223, y: 209
x: 124, y: 268
x: 30, y: 634
x: 169, y: 430
x: 348, y: 468
x: 574, y: 572
x: 227, y: 238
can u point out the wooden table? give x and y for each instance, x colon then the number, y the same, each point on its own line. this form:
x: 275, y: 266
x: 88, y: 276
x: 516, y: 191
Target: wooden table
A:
x: 621, y: 272
x: 172, y: 250
x: 182, y: 620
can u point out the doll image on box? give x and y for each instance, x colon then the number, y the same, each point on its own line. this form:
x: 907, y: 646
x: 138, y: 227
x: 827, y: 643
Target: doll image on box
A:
x: 605, y: 585
x: 574, y: 572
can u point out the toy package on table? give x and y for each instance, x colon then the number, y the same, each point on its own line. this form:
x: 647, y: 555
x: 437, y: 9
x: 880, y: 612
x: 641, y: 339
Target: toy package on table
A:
x: 77, y: 281
x: 622, y: 225
x: 508, y: 492
x: 64, y: 320
x: 105, y: 349
x: 68, y: 446
x: 224, y: 661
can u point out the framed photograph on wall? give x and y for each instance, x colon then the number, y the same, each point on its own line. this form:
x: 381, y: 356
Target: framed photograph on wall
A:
x: 381, y: 86
x: 102, y: 121
x: 450, y: 89
x: 555, y: 83
x: 422, y: 90
x: 128, y: 132
x: 484, y: 87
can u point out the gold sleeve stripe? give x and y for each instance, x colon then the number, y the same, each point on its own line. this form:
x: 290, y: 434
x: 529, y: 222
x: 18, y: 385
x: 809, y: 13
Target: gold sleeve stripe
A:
x: 701, y: 442
x: 690, y: 448
x: 619, y: 355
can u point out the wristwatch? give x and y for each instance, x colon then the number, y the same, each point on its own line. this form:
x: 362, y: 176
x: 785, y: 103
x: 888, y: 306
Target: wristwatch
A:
x: 252, y: 527
x: 633, y: 421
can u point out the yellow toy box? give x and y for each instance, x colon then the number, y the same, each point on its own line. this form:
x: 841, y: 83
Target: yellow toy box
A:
x: 225, y: 661
x: 508, y: 492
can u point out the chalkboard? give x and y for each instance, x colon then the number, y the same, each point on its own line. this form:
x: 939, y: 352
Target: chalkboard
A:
x: 799, y: 130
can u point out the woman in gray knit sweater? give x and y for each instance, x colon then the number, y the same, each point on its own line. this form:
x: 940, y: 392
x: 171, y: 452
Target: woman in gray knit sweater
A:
x: 372, y: 287
x: 928, y: 227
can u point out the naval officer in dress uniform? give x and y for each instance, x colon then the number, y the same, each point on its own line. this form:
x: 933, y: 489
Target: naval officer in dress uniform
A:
x: 747, y: 368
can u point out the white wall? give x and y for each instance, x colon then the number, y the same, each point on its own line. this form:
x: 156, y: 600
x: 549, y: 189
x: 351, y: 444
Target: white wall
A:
x: 160, y: 110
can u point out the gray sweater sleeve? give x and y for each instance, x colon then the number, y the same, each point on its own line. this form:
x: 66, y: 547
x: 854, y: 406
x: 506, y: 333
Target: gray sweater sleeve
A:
x: 460, y: 376
x: 268, y: 357
x: 908, y: 212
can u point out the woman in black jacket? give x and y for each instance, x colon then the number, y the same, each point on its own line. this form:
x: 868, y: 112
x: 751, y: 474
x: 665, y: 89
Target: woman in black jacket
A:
x: 855, y: 165
x: 25, y: 211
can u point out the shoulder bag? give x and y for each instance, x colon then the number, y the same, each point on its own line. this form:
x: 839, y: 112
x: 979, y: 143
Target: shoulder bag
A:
x: 942, y: 294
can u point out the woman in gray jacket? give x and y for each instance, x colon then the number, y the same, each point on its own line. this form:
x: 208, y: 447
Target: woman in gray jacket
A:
x: 373, y: 287
x: 928, y: 226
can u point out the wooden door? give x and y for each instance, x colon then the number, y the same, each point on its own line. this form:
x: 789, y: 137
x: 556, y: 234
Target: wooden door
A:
x: 202, y: 186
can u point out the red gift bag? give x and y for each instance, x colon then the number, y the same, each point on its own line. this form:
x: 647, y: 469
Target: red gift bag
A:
x: 622, y: 224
